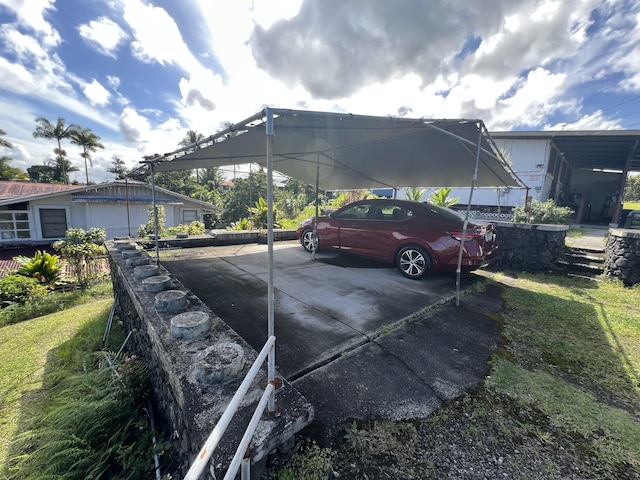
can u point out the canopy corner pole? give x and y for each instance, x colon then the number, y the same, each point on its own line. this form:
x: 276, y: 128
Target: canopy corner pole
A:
x: 271, y: 362
x: 466, y: 216
x: 315, y: 220
x: 155, y: 211
x: 617, y: 211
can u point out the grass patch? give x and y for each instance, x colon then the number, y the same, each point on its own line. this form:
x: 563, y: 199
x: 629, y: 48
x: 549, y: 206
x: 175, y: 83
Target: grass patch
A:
x: 574, y: 232
x: 631, y: 205
x: 25, y: 349
x: 53, y: 302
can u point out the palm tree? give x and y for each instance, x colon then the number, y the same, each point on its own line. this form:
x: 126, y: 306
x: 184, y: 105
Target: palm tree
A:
x: 190, y: 138
x: 119, y: 168
x: 62, y: 168
x: 89, y: 142
x: 59, y: 131
x: 3, y: 141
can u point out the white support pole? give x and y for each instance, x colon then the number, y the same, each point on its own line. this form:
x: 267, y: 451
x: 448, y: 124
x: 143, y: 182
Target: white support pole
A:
x: 466, y: 217
x: 212, y: 441
x: 271, y: 362
x: 155, y: 210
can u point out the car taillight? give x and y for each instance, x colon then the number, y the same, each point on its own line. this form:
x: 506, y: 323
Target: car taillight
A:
x: 470, y: 234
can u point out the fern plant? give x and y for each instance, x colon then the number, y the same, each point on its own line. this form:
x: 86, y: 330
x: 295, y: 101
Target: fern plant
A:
x: 43, y: 266
x: 96, y: 426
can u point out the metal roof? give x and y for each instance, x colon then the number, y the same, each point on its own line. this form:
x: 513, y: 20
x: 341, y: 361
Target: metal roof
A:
x: 590, y: 149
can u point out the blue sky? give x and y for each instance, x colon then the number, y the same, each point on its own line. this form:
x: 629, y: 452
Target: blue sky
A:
x: 141, y: 73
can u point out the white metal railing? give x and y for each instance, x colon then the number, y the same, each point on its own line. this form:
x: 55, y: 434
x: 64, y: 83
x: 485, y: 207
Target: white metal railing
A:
x: 210, y: 445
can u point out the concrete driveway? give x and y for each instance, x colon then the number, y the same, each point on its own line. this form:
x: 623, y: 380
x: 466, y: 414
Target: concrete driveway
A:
x: 354, y: 336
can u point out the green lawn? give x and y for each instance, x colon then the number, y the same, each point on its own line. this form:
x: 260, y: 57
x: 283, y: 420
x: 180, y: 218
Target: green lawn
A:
x: 24, y: 352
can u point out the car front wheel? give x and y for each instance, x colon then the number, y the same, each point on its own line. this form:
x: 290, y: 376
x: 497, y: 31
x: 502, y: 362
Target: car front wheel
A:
x: 309, y: 242
x: 413, y: 262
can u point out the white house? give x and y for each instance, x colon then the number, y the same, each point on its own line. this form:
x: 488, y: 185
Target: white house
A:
x: 38, y: 213
x: 584, y: 170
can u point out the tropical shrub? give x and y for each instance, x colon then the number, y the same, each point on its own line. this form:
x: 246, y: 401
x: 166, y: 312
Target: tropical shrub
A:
x: 259, y: 213
x: 242, y: 224
x: 542, y: 212
x: 16, y: 288
x: 414, y: 194
x: 82, y: 250
x: 149, y: 228
x: 43, y: 266
x: 441, y: 197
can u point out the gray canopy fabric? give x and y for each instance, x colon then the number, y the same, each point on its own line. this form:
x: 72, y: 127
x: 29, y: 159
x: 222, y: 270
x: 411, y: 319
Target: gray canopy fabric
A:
x: 344, y: 151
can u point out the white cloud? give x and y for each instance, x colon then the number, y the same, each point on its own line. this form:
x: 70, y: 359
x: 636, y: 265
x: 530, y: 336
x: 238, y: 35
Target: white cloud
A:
x: 595, y: 121
x: 157, y: 37
x: 104, y: 35
x: 30, y: 14
x: 96, y: 93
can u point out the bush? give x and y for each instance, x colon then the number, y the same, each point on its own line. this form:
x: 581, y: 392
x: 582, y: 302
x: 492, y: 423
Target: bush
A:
x: 82, y: 249
x: 16, y: 288
x: 542, y: 212
x: 43, y: 266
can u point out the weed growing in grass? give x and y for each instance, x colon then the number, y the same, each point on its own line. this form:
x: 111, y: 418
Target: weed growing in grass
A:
x: 308, y: 462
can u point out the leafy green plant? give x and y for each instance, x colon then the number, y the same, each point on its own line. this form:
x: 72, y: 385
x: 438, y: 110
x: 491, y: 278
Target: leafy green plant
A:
x: 259, y: 213
x: 18, y: 289
x: 43, y: 266
x: 441, y: 197
x: 242, y: 224
x: 308, y: 462
x: 149, y: 228
x: 82, y: 250
x: 542, y: 212
x: 414, y: 193
x: 89, y: 430
x: 196, y: 228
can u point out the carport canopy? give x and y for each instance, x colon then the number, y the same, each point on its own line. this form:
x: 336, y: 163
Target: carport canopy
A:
x: 344, y: 151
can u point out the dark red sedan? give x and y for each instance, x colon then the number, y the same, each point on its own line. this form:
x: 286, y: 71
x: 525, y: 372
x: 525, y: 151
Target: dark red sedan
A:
x: 416, y: 237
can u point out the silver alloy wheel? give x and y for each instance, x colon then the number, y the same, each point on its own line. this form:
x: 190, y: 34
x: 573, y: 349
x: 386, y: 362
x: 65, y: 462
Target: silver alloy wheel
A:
x: 309, y: 242
x: 413, y: 262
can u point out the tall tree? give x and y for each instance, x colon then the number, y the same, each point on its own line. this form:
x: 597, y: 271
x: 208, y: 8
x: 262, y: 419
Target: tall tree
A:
x: 89, y: 142
x: 191, y: 137
x: 59, y: 131
x: 3, y: 141
x: 62, y: 168
x: 119, y: 168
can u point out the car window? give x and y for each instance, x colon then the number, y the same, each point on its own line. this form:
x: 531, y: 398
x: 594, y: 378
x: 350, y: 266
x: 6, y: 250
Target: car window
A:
x: 392, y: 212
x: 442, y: 212
x: 359, y: 211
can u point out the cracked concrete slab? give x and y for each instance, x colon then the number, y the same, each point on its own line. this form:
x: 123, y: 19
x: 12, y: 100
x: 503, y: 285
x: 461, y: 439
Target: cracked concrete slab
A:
x: 357, y: 338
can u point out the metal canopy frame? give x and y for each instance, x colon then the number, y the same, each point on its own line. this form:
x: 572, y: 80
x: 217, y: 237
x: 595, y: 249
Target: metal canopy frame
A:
x: 338, y: 151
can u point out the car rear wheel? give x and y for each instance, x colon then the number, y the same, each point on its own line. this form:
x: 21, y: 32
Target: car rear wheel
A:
x: 413, y: 262
x: 309, y: 242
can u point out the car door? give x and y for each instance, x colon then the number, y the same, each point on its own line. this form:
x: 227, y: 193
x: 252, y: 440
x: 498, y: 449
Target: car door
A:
x: 371, y: 234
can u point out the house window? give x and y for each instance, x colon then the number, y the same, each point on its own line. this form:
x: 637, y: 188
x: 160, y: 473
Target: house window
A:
x: 53, y: 222
x: 14, y: 225
x: 189, y: 216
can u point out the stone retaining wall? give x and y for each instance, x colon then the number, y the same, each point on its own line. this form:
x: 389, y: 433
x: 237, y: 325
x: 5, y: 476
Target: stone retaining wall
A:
x: 530, y: 248
x: 196, y: 363
x: 623, y: 255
